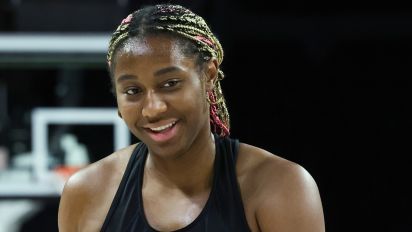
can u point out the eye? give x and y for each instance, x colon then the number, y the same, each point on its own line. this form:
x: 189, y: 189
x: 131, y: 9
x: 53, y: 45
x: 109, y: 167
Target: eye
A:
x: 132, y: 91
x: 171, y: 83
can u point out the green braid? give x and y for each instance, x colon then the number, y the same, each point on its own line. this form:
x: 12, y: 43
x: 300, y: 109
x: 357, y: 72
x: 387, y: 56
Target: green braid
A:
x: 176, y: 19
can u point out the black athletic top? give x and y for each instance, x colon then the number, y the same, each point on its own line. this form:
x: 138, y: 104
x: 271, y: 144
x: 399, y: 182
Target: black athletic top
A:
x: 223, y: 211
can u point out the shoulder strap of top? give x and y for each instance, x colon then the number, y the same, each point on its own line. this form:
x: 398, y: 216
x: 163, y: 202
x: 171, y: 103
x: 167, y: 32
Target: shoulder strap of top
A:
x: 136, y: 155
x: 235, y: 149
x: 229, y: 148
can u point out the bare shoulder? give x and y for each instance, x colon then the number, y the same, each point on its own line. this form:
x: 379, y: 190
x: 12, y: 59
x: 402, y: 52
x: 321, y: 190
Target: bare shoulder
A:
x: 258, y: 164
x: 282, y: 194
x: 88, y: 193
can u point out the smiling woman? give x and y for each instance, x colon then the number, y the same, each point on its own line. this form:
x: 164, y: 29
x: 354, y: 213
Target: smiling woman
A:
x: 163, y: 102
x: 187, y: 173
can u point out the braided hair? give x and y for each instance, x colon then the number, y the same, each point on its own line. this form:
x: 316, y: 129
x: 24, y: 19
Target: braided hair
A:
x: 188, y: 27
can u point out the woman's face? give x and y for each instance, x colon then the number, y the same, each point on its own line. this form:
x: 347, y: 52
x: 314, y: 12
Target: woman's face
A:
x: 161, y: 94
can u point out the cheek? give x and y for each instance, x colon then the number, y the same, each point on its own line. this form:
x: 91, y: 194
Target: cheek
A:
x: 196, y: 99
x: 128, y: 110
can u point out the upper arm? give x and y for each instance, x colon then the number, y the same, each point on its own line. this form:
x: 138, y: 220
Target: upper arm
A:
x: 70, y: 207
x: 291, y: 203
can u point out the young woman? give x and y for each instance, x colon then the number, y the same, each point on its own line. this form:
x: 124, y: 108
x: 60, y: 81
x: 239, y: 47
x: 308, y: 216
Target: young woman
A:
x: 186, y: 174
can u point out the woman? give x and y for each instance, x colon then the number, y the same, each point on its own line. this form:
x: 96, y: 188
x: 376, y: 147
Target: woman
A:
x: 187, y: 174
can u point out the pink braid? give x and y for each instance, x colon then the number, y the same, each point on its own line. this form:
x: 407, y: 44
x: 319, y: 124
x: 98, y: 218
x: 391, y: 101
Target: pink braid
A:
x: 218, y: 126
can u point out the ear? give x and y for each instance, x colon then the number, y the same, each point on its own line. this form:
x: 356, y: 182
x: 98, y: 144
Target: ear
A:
x: 118, y: 113
x: 211, y: 73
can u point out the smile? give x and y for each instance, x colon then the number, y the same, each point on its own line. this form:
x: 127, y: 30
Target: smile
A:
x: 163, y: 133
x: 161, y: 128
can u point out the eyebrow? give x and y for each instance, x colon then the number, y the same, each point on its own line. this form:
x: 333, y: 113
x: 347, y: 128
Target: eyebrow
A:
x: 167, y: 70
x: 125, y: 78
x: 157, y: 73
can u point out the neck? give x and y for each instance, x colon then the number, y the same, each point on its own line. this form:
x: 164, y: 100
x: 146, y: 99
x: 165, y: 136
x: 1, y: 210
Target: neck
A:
x: 190, y: 172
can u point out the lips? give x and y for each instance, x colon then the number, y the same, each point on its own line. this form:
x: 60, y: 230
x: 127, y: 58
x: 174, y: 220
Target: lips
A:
x: 162, y: 128
x: 162, y: 131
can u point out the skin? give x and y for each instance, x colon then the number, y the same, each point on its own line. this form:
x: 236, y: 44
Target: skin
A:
x: 155, y: 85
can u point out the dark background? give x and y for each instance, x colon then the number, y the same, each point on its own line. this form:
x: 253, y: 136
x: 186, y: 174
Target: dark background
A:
x: 324, y: 84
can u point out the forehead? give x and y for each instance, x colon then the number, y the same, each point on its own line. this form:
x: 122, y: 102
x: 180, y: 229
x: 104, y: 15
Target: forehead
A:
x: 149, y: 54
x: 152, y: 46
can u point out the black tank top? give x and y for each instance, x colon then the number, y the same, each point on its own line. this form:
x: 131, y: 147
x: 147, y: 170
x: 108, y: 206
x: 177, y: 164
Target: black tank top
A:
x: 223, y: 211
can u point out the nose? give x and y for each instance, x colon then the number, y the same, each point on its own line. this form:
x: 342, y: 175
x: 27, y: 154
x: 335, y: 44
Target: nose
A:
x: 153, y: 105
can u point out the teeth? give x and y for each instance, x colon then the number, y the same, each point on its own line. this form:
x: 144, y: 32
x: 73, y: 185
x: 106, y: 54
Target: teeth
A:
x: 160, y: 128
